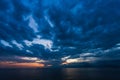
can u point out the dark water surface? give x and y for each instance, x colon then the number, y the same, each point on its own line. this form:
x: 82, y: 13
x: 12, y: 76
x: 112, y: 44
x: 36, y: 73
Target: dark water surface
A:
x: 60, y: 74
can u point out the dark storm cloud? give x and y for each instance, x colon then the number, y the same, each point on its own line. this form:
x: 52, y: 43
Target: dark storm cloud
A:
x: 52, y: 30
x: 87, y: 26
x: 12, y: 22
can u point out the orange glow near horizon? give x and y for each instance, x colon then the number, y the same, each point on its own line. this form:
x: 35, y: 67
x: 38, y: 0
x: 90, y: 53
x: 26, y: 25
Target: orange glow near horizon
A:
x: 64, y: 63
x: 21, y: 65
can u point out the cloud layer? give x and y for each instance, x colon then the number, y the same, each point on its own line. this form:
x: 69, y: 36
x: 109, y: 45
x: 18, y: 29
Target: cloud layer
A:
x: 60, y: 31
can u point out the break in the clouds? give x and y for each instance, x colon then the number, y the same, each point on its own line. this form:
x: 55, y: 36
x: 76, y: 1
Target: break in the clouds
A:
x: 60, y: 32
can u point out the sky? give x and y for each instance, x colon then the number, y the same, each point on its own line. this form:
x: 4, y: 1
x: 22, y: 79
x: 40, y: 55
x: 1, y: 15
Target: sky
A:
x: 49, y: 33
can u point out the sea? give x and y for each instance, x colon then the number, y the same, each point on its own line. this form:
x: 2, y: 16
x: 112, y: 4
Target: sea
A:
x: 60, y: 74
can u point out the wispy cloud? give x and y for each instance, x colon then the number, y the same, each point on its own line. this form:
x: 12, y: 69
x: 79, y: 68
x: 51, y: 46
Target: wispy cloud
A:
x: 5, y: 43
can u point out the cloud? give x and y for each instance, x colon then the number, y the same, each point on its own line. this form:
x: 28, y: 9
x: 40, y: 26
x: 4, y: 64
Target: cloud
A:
x: 46, y: 43
x: 49, y: 22
x: 59, y: 31
x: 5, y: 43
x: 32, y: 23
x: 86, y: 54
x: 20, y: 46
x: 28, y: 51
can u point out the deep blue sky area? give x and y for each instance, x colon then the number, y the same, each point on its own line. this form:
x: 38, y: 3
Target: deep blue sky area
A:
x: 60, y: 32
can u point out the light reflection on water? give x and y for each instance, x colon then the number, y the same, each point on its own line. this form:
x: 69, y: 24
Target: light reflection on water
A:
x: 91, y: 74
x: 60, y: 74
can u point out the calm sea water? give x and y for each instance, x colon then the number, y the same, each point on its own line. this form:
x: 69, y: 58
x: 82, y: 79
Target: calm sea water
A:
x: 60, y: 74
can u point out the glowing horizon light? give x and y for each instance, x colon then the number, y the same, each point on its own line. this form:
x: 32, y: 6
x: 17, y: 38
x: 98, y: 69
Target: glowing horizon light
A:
x: 76, y: 60
x: 64, y: 63
x: 72, y: 60
x: 21, y: 65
